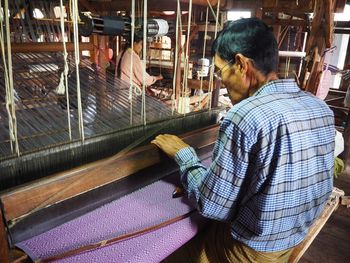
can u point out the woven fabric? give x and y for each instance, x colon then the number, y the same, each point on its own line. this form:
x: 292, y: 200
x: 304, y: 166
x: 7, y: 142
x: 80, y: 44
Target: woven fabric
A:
x: 146, y: 207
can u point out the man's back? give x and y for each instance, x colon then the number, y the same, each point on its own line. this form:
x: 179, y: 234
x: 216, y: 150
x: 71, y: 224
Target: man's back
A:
x: 289, y: 136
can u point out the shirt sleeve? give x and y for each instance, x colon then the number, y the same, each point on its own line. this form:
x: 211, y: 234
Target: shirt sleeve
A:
x: 217, y: 189
x: 139, y: 71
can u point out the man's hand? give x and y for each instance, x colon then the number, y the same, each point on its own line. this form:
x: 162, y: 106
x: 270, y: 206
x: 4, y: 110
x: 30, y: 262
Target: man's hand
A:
x: 170, y: 144
x: 159, y: 77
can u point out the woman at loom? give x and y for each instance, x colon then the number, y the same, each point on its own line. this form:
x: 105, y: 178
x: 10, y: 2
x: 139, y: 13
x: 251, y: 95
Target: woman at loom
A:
x: 123, y: 69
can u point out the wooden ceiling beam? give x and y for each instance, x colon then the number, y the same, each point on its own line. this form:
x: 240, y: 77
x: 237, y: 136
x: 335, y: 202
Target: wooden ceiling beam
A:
x: 153, y: 5
x: 87, y: 5
x: 171, y: 5
x: 286, y: 22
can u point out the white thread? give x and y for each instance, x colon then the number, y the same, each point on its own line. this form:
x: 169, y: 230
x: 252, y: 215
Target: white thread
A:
x: 75, y: 15
x: 210, y: 89
x: 212, y: 10
x: 10, y: 102
x: 178, y: 20
x: 131, y: 90
x: 163, y: 27
x: 143, y: 112
x: 64, y: 75
x: 204, y: 51
x: 185, y: 79
x: 7, y: 85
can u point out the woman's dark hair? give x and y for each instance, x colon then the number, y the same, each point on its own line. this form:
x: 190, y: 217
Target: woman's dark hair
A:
x: 252, y: 38
x: 138, y: 36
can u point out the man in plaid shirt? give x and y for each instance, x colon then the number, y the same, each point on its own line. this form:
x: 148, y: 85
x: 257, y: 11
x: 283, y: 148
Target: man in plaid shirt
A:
x: 272, y: 165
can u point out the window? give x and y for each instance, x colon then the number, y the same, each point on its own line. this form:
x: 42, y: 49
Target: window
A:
x: 235, y: 15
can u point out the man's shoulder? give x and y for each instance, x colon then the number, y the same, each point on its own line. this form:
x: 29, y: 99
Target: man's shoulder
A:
x: 263, y: 110
x: 250, y: 108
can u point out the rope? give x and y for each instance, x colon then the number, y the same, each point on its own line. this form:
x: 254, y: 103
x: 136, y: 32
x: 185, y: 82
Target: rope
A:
x: 204, y: 51
x: 186, y: 67
x: 143, y: 112
x: 75, y: 18
x: 178, y: 20
x: 65, y: 72
x: 8, y: 74
x: 132, y: 59
x: 210, y: 88
x: 286, y: 72
x: 212, y: 10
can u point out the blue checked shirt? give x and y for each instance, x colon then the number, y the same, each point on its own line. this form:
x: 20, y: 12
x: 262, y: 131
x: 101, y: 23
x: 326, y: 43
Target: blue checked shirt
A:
x: 272, y: 167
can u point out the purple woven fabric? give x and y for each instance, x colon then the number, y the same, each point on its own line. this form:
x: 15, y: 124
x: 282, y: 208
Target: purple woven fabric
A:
x: 146, y: 207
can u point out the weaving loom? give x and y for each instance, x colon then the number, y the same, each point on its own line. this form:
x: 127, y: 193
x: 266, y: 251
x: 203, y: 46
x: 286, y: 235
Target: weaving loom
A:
x: 113, y: 178
x: 42, y: 120
x: 53, y: 133
x: 46, y: 147
x: 79, y: 181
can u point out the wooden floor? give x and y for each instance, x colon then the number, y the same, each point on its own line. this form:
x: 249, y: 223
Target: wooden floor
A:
x: 333, y: 243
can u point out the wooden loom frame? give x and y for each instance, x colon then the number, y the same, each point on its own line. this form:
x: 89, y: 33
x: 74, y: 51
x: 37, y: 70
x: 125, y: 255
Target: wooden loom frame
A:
x: 22, y: 201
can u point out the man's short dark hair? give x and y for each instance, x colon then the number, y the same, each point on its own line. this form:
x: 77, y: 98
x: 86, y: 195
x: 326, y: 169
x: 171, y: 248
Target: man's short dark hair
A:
x: 252, y: 38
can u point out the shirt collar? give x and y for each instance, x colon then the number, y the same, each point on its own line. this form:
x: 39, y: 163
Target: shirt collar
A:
x: 278, y: 86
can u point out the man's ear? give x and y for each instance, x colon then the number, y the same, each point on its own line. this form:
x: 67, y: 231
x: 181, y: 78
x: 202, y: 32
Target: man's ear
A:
x: 241, y: 62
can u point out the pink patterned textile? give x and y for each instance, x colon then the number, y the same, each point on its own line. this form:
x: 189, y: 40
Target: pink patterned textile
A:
x: 146, y: 207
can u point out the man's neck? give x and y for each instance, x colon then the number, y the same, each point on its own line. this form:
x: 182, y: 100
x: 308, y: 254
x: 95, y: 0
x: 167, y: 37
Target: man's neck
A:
x: 258, y: 80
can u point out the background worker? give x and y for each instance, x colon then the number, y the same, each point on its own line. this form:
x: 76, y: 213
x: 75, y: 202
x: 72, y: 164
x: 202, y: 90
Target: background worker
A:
x: 123, y: 70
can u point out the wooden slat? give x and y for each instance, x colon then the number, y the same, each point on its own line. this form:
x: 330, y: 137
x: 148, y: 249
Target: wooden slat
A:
x: 64, y: 185
x: 330, y: 207
x: 47, y: 47
x: 4, y: 247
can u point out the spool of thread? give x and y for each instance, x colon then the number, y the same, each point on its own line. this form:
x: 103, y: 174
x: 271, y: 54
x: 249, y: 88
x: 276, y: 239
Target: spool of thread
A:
x: 203, y: 67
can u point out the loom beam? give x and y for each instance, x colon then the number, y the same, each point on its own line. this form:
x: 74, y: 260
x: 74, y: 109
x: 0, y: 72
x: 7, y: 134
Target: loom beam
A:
x: 49, y: 160
x: 37, y: 207
x: 47, y: 47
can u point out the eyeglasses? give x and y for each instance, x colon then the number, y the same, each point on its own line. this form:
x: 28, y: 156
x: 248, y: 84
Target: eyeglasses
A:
x: 218, y: 74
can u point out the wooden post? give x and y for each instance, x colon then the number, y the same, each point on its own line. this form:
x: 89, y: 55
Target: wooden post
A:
x: 177, y: 67
x: 321, y: 37
x: 94, y: 40
x: 102, y: 58
x: 215, y: 94
x: 4, y: 246
x: 102, y: 65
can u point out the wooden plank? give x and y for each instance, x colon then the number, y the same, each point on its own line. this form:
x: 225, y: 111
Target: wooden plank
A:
x: 330, y: 207
x: 48, y: 47
x: 59, y: 187
x: 301, y: 6
x: 329, y: 22
x: 4, y: 247
x: 286, y: 22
